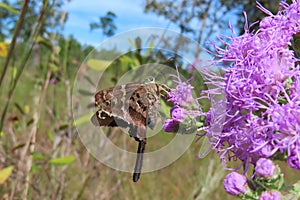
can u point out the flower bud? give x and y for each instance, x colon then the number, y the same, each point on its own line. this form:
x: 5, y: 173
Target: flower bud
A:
x: 265, y: 168
x: 270, y: 195
x: 235, y: 183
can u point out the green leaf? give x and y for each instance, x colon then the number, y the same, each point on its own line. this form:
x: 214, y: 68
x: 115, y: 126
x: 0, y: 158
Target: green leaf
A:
x: 281, y: 100
x: 130, y: 62
x: 62, y: 161
x: 83, y: 119
x: 44, y: 41
x: 150, y: 49
x: 98, y: 65
x: 297, y: 186
x: 63, y: 127
x: 5, y: 173
x: 8, y: 8
x: 296, y: 189
x: 132, y: 43
x: 37, y: 156
x: 30, y: 122
x: 19, y: 108
x: 18, y: 147
x: 14, y: 72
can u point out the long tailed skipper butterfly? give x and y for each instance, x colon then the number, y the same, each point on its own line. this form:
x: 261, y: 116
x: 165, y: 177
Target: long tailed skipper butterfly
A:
x: 134, y: 106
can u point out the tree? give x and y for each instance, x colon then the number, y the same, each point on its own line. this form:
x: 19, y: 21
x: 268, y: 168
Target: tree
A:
x: 106, y: 23
x: 205, y: 19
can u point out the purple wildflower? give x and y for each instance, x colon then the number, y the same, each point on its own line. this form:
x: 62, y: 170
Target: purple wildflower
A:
x: 235, y: 183
x: 170, y: 125
x: 182, y: 95
x: 270, y: 195
x: 262, y: 92
x: 183, y: 113
x: 294, y: 159
x: 178, y: 114
x: 265, y: 168
x: 286, y: 120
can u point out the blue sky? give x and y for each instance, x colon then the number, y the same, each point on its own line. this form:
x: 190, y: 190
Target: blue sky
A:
x: 129, y: 13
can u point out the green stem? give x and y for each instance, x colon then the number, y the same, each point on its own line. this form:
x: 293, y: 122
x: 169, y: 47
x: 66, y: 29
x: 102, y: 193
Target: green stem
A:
x: 24, y: 60
x: 14, y: 39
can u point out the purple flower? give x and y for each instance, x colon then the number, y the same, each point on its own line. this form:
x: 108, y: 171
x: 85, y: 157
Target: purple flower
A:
x: 170, y: 125
x: 294, y: 159
x: 178, y: 114
x: 182, y: 95
x: 268, y: 150
x: 184, y: 110
x: 286, y: 120
x: 265, y: 168
x: 270, y: 195
x: 235, y: 183
x: 262, y: 92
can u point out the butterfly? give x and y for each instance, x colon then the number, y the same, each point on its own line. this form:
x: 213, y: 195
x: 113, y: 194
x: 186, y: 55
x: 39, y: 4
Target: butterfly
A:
x: 134, y: 106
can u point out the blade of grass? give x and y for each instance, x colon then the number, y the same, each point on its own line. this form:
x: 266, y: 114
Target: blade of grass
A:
x: 32, y: 40
x: 14, y: 39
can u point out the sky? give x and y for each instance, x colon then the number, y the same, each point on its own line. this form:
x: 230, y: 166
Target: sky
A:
x: 129, y: 13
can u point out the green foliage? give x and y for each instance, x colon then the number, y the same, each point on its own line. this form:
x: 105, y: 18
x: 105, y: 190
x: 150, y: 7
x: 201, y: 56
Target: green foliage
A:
x: 106, y: 24
x: 82, y: 119
x: 97, y: 65
x: 211, y: 17
x: 62, y: 161
x: 5, y: 173
x: 8, y: 8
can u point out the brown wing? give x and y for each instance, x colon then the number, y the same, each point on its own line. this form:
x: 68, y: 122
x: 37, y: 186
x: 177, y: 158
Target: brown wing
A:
x: 116, y: 101
x: 123, y: 106
x: 124, y: 99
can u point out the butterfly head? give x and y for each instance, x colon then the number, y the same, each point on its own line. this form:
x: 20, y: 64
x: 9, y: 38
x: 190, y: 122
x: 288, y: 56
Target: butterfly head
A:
x: 150, y: 79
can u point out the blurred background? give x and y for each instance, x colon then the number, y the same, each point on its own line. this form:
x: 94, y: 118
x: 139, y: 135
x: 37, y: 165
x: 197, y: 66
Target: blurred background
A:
x: 43, y: 44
